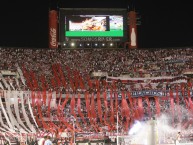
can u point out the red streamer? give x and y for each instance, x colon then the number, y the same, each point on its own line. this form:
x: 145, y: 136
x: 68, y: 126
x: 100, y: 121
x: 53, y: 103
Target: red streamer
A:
x: 189, y: 99
x: 112, y: 109
x: 79, y: 109
x: 148, y: 106
x: 72, y: 106
x: 61, y: 114
x: 172, y: 105
x: 44, y: 88
x: 140, y: 107
x: 106, y: 109
x: 99, y: 106
x: 178, y: 105
x: 125, y: 111
x: 87, y: 104
x: 157, y: 106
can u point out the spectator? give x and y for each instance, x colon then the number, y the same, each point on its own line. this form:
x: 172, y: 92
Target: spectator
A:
x: 48, y: 141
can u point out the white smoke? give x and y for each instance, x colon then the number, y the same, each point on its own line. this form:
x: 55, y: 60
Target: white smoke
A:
x: 139, y: 133
x: 162, y: 130
x: 136, y: 128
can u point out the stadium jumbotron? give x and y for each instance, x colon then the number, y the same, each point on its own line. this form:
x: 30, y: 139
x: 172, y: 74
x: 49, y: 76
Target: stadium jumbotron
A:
x: 95, y: 86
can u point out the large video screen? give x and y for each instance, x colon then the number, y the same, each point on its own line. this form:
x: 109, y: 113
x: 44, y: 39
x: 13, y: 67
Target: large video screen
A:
x: 93, y: 25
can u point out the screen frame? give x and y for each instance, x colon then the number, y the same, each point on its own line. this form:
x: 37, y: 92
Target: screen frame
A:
x: 63, y: 12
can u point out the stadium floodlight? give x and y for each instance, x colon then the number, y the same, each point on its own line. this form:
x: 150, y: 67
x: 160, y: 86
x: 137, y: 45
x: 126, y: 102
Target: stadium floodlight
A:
x: 95, y: 45
x: 72, y: 44
x: 80, y: 45
x: 111, y: 44
x: 64, y: 44
x: 103, y: 45
x: 87, y: 44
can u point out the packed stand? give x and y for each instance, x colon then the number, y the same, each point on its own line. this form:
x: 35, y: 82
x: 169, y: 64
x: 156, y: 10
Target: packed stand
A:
x: 120, y: 71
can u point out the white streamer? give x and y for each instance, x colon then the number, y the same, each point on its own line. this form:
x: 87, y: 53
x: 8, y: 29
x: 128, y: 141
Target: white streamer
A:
x: 25, y: 114
x: 1, y: 86
x: 11, y: 116
x: 17, y: 82
x: 6, y: 138
x: 17, y: 110
x: 30, y: 108
x: 21, y: 74
x: 4, y: 125
x: 5, y: 114
x: 2, y: 129
x: 11, y: 84
x: 4, y: 82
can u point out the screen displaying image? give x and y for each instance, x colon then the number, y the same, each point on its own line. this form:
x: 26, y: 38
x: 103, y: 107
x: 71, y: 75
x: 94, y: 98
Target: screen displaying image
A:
x: 116, y: 23
x: 87, y: 23
x: 94, y: 26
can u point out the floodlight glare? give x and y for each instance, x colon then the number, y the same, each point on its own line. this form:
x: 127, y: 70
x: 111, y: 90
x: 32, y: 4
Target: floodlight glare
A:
x: 72, y: 44
x: 64, y: 44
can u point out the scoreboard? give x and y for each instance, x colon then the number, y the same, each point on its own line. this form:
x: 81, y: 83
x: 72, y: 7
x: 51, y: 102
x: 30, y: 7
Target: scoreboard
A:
x: 92, y: 25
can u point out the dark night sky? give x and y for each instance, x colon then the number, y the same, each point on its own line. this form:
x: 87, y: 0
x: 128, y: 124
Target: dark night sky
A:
x: 163, y: 23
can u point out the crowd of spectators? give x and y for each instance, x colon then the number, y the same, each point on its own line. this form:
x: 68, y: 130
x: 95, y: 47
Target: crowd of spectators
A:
x: 137, y: 63
x: 143, y: 69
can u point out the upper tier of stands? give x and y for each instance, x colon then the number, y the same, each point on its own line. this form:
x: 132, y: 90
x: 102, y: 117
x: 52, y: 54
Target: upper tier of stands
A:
x: 134, y: 69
